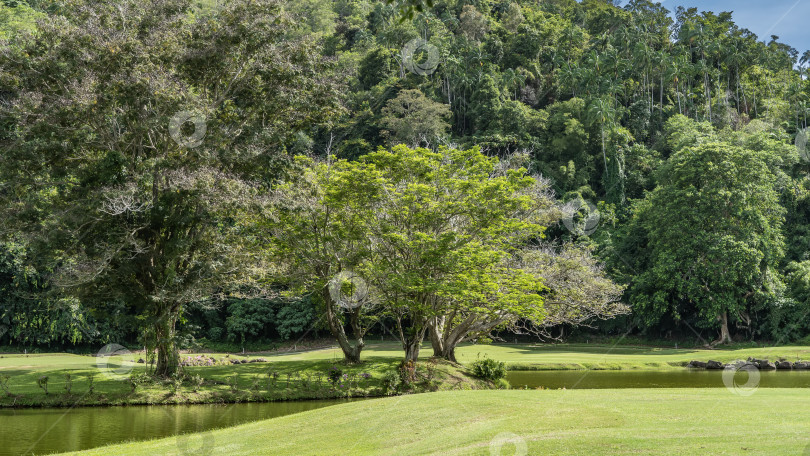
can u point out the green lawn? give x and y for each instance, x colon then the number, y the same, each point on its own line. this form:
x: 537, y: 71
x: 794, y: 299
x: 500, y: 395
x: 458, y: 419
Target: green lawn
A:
x: 576, y: 356
x: 379, y: 358
x: 585, y: 356
x: 582, y: 422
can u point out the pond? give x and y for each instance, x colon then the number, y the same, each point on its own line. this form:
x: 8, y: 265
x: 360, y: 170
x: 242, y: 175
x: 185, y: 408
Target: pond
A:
x: 686, y: 378
x: 54, y: 430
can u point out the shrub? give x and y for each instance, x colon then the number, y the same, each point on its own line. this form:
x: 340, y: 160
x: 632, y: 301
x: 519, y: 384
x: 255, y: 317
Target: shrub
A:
x: 196, y: 382
x: 335, y: 374
x: 488, y: 369
x: 42, y: 382
x: 233, y: 383
x: 503, y: 384
x: 390, y: 382
x: 407, y: 372
x: 256, y: 384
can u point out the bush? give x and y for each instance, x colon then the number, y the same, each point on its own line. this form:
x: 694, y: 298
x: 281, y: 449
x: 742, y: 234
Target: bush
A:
x: 42, y: 382
x: 390, y: 382
x: 489, y: 369
x: 503, y: 384
x: 335, y: 374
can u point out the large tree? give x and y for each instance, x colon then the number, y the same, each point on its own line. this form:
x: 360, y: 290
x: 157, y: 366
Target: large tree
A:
x: 713, y: 234
x: 135, y: 134
x: 315, y: 231
x: 443, y: 222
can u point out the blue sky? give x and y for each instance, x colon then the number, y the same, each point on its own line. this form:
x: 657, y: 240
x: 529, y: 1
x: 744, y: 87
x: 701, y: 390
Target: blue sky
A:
x: 790, y: 19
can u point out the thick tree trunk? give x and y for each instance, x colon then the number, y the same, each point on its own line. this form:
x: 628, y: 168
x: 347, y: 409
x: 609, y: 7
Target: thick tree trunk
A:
x: 435, y: 335
x: 412, y: 341
x: 168, y: 356
x: 351, y: 349
x: 450, y: 353
x: 725, y: 336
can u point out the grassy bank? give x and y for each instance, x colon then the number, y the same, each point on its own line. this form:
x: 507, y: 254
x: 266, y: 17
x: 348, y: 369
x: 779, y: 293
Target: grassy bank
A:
x: 303, y: 375
x: 575, y: 422
x: 290, y: 377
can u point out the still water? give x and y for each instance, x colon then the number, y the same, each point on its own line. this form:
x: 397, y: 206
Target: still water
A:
x: 654, y: 379
x: 46, y: 431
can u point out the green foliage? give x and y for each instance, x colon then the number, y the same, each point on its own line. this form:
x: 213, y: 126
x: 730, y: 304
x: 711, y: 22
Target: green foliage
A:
x: 130, y: 211
x: 248, y: 317
x: 42, y: 382
x: 138, y: 232
x: 413, y: 119
x: 390, y: 382
x: 488, y: 369
x: 334, y: 374
x: 713, y: 234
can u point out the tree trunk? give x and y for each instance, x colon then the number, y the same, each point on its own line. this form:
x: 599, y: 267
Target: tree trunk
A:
x: 450, y: 353
x: 412, y: 341
x: 725, y: 336
x: 168, y: 356
x: 411, y: 347
x: 351, y: 350
x: 435, y: 335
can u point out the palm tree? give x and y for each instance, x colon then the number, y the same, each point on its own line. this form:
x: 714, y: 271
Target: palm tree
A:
x: 601, y: 110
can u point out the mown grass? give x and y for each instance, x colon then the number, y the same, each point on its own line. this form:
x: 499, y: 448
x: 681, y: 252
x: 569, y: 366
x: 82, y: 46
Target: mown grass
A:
x: 616, y: 357
x: 573, y: 422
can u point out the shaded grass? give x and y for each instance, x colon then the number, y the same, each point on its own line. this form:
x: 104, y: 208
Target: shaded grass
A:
x: 575, y: 422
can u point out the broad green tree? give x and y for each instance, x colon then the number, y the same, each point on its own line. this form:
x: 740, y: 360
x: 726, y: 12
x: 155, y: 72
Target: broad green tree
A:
x: 714, y: 240
x: 136, y: 134
x: 443, y: 221
x: 315, y: 227
x: 413, y: 119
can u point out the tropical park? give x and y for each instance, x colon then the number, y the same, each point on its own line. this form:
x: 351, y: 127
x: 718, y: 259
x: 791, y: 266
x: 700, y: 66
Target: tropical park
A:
x: 404, y: 227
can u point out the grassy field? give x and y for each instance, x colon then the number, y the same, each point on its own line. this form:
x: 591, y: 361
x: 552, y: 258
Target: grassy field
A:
x: 586, y: 356
x: 573, y: 422
x: 307, y: 372
x: 576, y: 356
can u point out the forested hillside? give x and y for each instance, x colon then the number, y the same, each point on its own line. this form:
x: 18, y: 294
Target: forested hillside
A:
x: 674, y: 146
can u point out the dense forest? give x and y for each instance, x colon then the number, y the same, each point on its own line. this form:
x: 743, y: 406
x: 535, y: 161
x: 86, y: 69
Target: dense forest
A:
x: 670, y: 145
